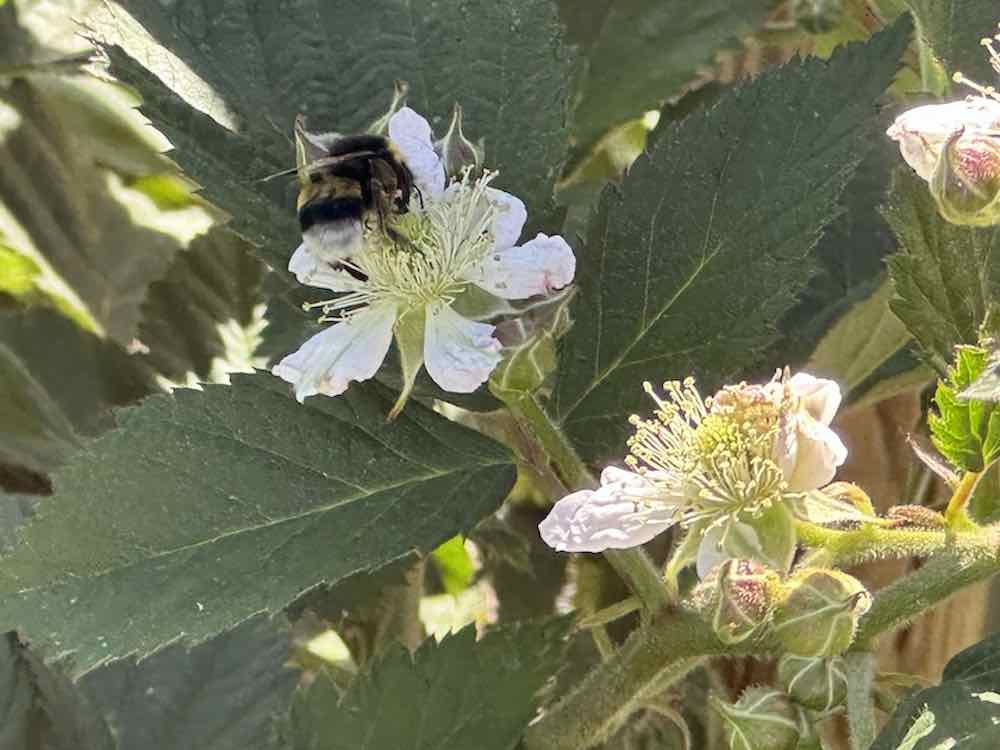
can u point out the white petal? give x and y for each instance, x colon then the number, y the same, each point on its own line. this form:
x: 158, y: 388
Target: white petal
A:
x: 334, y: 240
x: 820, y: 397
x: 351, y: 350
x: 412, y: 135
x: 593, y: 521
x: 459, y: 353
x: 311, y: 271
x: 536, y: 267
x: 923, y: 131
x: 509, y: 221
x: 710, y: 552
x: 819, y: 453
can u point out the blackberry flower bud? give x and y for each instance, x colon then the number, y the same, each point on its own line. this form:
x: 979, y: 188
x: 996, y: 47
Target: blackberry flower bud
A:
x: 966, y: 181
x: 762, y: 719
x: 744, y: 595
x: 820, y: 613
x: 814, y: 682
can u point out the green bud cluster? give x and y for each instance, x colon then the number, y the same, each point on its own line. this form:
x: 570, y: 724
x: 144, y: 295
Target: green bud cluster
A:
x: 742, y: 599
x: 819, y: 614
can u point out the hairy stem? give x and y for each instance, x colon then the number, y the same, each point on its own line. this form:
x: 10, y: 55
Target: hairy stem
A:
x: 957, y: 515
x: 860, y: 668
x: 869, y: 542
x: 633, y: 565
x: 654, y: 656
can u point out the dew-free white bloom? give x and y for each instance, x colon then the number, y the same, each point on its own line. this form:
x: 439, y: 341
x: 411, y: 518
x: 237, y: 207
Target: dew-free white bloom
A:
x: 710, y: 464
x: 456, y: 235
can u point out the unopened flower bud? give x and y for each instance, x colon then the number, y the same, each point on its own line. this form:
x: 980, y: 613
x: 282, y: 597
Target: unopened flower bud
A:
x: 820, y: 612
x: 456, y: 151
x: 818, y: 16
x: 762, y: 719
x: 966, y: 181
x: 744, y: 594
x: 915, y: 516
x: 814, y: 682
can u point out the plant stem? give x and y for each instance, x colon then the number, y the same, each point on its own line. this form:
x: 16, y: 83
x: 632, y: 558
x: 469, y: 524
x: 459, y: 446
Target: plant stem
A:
x: 633, y: 565
x: 868, y: 542
x: 860, y: 668
x: 957, y: 515
x: 653, y: 657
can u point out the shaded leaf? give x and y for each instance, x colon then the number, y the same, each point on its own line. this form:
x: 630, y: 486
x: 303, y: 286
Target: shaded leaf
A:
x: 965, y: 707
x: 233, y: 500
x: 40, y: 708
x: 638, y: 53
x: 471, y: 694
x: 946, y: 276
x: 953, y: 29
x: 674, y: 281
x: 225, y: 693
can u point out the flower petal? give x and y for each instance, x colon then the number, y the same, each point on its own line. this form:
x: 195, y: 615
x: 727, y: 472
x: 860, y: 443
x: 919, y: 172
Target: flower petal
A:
x: 311, y: 271
x: 459, y: 354
x: 412, y: 135
x: 536, y: 267
x: 596, y: 520
x: 509, y: 221
x: 819, y: 451
x: 346, y: 351
x: 710, y: 552
x: 923, y: 131
x: 820, y: 397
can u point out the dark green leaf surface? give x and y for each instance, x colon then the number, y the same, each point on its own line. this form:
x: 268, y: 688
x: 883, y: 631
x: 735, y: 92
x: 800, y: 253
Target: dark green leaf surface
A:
x: 224, y: 694
x: 689, y: 267
x: 638, y: 53
x: 215, y: 281
x: 953, y: 29
x: 455, y: 695
x: 336, y: 62
x: 232, y: 500
x: 39, y: 707
x: 965, y: 706
x: 946, y: 275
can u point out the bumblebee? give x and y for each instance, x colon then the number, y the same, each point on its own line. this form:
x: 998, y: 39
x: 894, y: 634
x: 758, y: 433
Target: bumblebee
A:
x: 345, y: 184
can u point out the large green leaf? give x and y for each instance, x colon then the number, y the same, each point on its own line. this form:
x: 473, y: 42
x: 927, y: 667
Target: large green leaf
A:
x: 689, y: 267
x: 226, y: 693
x: 232, y: 500
x: 336, y: 62
x: 635, y: 54
x: 947, y: 277
x: 455, y: 695
x: 962, y: 712
x: 953, y: 29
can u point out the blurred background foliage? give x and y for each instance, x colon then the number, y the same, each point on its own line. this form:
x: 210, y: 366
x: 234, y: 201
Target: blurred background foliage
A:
x: 121, y: 276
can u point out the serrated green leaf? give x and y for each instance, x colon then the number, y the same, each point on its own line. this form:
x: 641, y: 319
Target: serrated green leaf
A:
x: 40, y: 708
x: 226, y: 693
x: 625, y: 73
x: 233, y: 500
x: 946, y: 276
x: 212, y: 287
x: 965, y: 707
x: 953, y: 28
x: 503, y: 62
x: 454, y: 565
x: 454, y: 695
x: 966, y: 432
x: 708, y: 243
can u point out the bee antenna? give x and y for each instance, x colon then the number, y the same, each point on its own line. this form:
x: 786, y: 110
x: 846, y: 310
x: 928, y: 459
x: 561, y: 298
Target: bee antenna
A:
x: 282, y: 173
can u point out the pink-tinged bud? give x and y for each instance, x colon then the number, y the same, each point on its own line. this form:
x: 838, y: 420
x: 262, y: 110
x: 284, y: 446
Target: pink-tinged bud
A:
x: 914, y: 516
x: 923, y: 132
x: 744, y: 595
x: 966, y: 181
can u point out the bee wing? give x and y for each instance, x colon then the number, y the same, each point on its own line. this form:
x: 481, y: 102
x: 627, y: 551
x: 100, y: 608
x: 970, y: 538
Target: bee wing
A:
x: 309, y: 146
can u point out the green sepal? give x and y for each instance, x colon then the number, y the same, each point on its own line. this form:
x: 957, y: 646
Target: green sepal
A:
x: 965, y: 431
x: 767, y: 536
x: 409, y: 334
x: 530, y: 341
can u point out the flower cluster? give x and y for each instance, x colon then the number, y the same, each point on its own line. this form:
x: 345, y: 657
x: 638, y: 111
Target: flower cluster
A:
x: 712, y: 464
x: 955, y: 147
x: 404, y: 284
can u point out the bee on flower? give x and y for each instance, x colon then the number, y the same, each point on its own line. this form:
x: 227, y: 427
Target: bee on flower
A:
x: 406, y: 280
x: 723, y: 467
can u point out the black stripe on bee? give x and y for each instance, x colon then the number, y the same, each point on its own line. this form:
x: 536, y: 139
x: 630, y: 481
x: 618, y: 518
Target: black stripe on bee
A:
x: 329, y: 210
